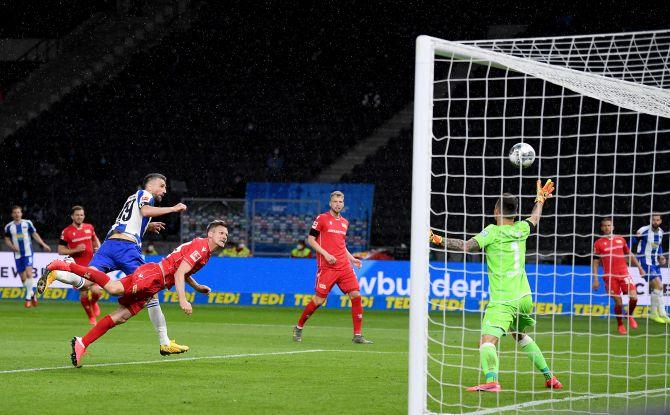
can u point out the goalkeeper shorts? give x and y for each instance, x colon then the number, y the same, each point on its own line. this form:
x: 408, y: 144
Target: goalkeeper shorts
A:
x: 501, y: 318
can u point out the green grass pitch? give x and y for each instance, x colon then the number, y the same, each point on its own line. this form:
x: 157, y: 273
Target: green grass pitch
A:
x: 242, y: 361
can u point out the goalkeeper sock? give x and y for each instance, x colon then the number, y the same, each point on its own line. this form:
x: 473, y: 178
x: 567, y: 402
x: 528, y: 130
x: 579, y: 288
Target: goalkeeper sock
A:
x: 632, y: 303
x: 534, y: 353
x: 489, y: 359
x: 357, y: 315
x: 309, y: 310
x: 618, y: 310
x: 98, y: 330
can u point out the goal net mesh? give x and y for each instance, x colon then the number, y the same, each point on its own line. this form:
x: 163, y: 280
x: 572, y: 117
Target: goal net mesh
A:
x: 596, y: 109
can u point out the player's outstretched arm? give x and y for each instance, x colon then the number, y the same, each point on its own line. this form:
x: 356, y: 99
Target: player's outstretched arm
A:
x: 179, y: 279
x: 203, y: 289
x: 153, y: 211
x: 543, y: 193
x: 470, y: 245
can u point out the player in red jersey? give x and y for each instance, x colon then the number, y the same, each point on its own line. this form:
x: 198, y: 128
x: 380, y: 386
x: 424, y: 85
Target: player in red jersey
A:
x: 139, y: 287
x: 612, y: 252
x: 79, y: 241
x: 327, y: 238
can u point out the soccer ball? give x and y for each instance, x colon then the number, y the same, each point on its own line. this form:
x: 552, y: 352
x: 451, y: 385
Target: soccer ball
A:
x: 522, y: 155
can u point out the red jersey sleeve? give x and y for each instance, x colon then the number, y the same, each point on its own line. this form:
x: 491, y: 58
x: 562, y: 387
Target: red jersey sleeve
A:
x: 63, y: 236
x: 192, y: 253
x: 596, y: 248
x: 317, y: 225
x: 626, y: 249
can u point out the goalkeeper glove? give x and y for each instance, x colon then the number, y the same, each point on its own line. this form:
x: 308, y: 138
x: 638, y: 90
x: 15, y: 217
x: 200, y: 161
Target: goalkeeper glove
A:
x: 544, y: 192
x: 436, y: 239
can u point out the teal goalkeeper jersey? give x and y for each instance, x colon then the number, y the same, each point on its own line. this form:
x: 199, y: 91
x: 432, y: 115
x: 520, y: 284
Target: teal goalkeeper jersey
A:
x: 505, y: 248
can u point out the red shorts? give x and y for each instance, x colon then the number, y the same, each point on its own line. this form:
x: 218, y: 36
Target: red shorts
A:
x: 619, y: 285
x: 140, y: 286
x: 327, y: 277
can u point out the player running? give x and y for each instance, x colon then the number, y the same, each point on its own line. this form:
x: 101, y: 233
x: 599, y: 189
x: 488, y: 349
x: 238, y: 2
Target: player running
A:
x: 136, y: 289
x: 122, y: 249
x: 327, y: 238
x: 18, y: 235
x: 648, y: 241
x: 79, y: 241
x: 511, y: 306
x: 611, y: 251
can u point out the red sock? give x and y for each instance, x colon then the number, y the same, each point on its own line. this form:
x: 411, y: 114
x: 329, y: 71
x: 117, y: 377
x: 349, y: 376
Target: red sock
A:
x: 94, y: 297
x: 357, y: 314
x: 98, y: 330
x: 86, y: 304
x: 90, y: 274
x: 632, y: 303
x: 309, y: 310
x: 618, y: 310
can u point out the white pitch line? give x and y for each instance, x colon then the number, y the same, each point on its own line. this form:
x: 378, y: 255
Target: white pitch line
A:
x: 187, y: 359
x: 566, y: 399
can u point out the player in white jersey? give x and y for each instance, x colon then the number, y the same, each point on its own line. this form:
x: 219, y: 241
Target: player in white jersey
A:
x: 122, y: 249
x: 18, y: 235
x: 649, y: 240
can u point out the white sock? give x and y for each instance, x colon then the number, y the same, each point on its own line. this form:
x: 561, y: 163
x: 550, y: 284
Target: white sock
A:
x: 660, y: 305
x: 653, y: 299
x: 158, y: 320
x: 29, y: 283
x: 70, y: 278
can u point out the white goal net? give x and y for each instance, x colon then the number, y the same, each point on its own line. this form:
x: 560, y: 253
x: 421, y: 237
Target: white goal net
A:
x: 596, y: 109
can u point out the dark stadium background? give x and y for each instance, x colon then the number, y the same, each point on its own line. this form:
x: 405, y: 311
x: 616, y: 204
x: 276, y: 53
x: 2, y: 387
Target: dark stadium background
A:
x: 206, y: 100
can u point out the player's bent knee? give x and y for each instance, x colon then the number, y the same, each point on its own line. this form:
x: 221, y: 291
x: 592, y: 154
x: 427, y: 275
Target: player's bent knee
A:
x: 318, y: 300
x: 114, y: 288
x: 487, y: 338
x: 354, y: 294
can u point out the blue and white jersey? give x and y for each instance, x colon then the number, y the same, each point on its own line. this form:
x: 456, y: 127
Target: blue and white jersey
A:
x: 130, y: 220
x: 649, y: 246
x: 20, y: 234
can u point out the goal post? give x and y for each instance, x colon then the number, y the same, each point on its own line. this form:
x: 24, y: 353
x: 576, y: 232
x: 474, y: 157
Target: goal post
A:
x: 596, y: 109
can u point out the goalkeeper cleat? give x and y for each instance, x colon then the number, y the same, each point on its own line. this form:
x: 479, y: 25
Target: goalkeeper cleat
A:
x: 173, y: 348
x: 297, y: 334
x: 359, y: 339
x: 654, y: 316
x: 553, y: 383
x: 78, y: 351
x: 486, y: 387
x: 632, y: 323
x: 45, y: 281
x: 622, y: 329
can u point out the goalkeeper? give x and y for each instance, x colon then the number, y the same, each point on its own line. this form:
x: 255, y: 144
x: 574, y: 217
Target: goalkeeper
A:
x: 511, y: 305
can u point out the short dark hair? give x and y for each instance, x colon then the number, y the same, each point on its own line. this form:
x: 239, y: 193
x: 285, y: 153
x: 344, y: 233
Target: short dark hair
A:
x: 75, y: 208
x: 606, y: 219
x: 149, y: 177
x: 508, y: 205
x: 16, y: 207
x: 217, y: 222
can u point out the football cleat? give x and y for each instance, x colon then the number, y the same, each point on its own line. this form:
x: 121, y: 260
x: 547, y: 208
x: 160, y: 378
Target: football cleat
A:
x: 78, y: 351
x: 28, y: 304
x: 667, y: 319
x: 622, y: 330
x: 45, y: 281
x: 173, y: 348
x: 297, y: 334
x: 654, y: 316
x: 92, y: 321
x: 553, y: 383
x: 493, y: 386
x: 359, y: 339
x: 632, y: 323
x: 33, y: 301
